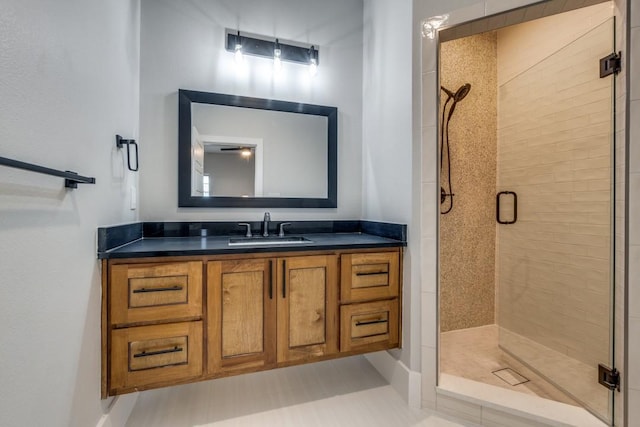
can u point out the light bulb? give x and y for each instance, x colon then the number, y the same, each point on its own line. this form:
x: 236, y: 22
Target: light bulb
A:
x: 277, y: 61
x: 313, y: 67
x: 246, y: 152
x: 238, y: 53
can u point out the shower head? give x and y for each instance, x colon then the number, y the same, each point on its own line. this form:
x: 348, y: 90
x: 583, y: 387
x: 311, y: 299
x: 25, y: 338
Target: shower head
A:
x: 462, y: 92
x: 458, y: 95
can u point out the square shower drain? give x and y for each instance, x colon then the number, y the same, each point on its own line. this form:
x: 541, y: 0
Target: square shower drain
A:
x: 510, y: 376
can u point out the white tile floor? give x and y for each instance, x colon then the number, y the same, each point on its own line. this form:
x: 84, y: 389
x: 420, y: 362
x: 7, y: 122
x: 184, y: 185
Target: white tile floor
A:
x: 343, y: 392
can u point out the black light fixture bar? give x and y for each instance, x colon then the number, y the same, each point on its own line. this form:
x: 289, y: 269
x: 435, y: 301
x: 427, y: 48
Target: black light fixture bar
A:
x: 264, y: 48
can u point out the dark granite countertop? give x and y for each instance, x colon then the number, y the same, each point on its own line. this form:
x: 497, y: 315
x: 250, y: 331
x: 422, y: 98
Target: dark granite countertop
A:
x: 180, y: 239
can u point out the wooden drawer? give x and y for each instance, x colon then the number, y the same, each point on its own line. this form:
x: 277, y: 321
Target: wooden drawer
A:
x: 155, y: 292
x: 145, y: 355
x: 368, y: 323
x: 369, y: 276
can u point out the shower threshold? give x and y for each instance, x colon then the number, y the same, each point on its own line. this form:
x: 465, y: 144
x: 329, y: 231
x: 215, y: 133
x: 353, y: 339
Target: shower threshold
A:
x: 486, y: 403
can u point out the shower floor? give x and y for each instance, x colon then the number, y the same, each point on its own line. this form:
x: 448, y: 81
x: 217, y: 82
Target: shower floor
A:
x: 474, y: 354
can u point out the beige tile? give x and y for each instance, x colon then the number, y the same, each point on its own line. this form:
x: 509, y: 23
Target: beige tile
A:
x: 461, y: 409
x: 494, y: 418
x: 633, y: 371
x: 634, y: 281
x: 429, y: 375
x: 634, y: 63
x: 465, y: 14
x: 428, y: 264
x: 428, y: 53
x: 430, y: 153
x: 429, y: 99
x: 429, y: 220
x: 474, y: 354
x: 635, y: 14
x: 634, y: 406
x: 429, y: 326
x: 634, y: 208
x: 634, y: 135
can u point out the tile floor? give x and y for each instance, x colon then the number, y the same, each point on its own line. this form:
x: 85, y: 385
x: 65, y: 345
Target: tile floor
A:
x: 343, y: 392
x: 474, y: 354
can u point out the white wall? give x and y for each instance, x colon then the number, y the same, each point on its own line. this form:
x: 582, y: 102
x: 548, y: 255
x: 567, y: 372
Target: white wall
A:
x: 386, y: 154
x: 230, y: 174
x: 182, y: 47
x: 69, y: 84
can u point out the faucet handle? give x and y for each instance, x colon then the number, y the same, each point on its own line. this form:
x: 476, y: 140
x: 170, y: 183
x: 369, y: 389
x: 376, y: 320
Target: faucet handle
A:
x: 246, y: 224
x: 282, y: 226
x: 267, y: 216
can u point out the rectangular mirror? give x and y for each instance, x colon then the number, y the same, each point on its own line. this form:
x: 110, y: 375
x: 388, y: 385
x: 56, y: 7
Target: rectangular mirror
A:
x: 238, y: 151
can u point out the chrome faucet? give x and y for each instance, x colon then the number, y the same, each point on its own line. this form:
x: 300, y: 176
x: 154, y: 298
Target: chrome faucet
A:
x: 265, y: 224
x: 282, y: 226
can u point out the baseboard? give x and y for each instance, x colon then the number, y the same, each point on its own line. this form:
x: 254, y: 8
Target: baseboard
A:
x: 119, y: 411
x: 405, y: 381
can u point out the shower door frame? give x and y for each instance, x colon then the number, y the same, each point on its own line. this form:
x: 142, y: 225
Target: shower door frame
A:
x: 613, y: 193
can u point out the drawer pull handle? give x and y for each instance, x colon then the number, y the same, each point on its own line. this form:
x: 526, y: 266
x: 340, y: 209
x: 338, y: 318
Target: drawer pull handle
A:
x: 145, y: 290
x: 284, y: 278
x: 145, y: 353
x: 370, y: 273
x: 371, y: 322
x: 270, y: 279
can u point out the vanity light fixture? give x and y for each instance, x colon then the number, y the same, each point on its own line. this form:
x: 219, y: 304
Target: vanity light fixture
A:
x: 268, y: 47
x: 245, y: 152
x: 431, y: 25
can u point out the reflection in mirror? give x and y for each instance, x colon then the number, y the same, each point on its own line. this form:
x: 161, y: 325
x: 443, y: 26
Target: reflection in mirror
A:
x: 258, y: 153
x: 250, y: 152
x: 226, y: 166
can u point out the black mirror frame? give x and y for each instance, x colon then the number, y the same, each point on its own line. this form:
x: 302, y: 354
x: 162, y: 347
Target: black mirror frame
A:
x: 185, y: 199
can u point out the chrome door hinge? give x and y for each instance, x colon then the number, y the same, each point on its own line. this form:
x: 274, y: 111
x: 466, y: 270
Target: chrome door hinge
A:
x: 609, y: 378
x: 611, y: 64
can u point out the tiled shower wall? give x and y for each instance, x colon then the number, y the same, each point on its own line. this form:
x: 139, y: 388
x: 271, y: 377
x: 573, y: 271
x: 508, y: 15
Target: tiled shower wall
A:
x: 554, y: 151
x: 467, y: 232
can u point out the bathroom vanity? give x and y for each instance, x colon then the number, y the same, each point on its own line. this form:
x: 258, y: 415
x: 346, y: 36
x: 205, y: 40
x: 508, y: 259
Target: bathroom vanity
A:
x: 185, y: 302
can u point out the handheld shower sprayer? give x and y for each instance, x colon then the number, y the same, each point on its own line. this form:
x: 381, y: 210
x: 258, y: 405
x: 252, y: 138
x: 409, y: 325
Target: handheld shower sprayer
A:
x: 456, y: 96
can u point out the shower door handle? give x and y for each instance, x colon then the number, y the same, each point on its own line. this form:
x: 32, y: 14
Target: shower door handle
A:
x: 515, y: 207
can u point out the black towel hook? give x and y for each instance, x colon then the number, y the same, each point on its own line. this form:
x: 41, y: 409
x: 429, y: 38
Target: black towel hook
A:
x: 120, y: 142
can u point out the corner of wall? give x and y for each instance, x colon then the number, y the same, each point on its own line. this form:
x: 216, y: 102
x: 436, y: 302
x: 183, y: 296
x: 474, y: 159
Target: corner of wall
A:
x: 119, y: 411
x: 405, y: 381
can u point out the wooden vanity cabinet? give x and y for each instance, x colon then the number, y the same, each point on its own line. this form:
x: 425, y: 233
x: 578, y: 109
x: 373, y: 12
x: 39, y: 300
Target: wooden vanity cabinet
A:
x: 258, y: 312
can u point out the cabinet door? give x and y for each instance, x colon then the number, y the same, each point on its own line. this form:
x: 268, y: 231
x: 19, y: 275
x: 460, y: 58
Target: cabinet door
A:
x: 241, y: 315
x: 307, y: 307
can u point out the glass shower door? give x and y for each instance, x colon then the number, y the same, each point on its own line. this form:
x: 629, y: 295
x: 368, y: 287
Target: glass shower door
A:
x: 555, y: 263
